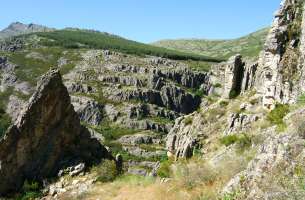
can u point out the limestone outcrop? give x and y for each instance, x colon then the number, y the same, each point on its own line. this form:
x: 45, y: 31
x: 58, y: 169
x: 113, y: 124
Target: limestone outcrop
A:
x: 232, y: 78
x: 281, y: 64
x: 46, y: 137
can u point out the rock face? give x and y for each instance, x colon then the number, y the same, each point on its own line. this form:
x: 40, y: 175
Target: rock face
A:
x: 281, y: 64
x: 234, y: 77
x: 46, y: 138
x: 183, y: 137
x: 238, y: 122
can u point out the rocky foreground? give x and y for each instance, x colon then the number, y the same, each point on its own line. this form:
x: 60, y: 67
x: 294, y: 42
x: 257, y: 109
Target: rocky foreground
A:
x: 240, y: 125
x: 46, y: 138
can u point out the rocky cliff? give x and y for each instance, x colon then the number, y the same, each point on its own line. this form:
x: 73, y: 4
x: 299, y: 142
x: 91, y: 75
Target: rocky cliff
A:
x: 47, y: 137
x: 281, y: 64
x: 278, y: 75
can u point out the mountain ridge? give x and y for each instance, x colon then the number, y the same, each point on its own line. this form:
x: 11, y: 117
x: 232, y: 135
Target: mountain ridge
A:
x: 251, y: 44
x: 18, y: 28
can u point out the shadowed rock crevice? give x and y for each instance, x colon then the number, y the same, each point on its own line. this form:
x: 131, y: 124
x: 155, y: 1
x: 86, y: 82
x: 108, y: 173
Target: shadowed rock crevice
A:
x: 47, y: 137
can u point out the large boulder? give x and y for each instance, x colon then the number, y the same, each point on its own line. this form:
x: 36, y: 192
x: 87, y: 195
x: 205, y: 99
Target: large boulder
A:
x: 46, y: 137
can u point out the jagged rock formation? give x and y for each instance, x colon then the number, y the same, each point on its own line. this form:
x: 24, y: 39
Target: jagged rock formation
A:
x: 182, y: 139
x: 239, y: 122
x: 280, y: 72
x: 234, y: 77
x: 280, y: 157
x: 18, y: 28
x: 45, y: 138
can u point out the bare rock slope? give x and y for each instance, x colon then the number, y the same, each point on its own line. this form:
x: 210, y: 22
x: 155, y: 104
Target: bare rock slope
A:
x: 45, y: 138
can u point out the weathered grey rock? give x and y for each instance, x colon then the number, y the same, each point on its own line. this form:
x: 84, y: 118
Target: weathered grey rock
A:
x: 186, y: 77
x: 234, y: 77
x: 138, y: 172
x: 46, y: 138
x: 88, y: 110
x: 79, y: 88
x: 183, y: 138
x: 146, y: 124
x: 125, y: 80
x: 138, y: 139
x: 234, y: 72
x: 249, y: 76
x: 73, y: 170
x: 11, y: 44
x: 126, y: 68
x: 280, y: 70
x: 239, y: 122
x: 137, y: 151
x: 111, y: 112
x: 170, y: 96
x: 14, y: 107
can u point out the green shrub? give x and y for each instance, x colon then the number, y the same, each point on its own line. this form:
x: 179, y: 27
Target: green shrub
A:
x: 199, y: 93
x: 233, y: 94
x: 30, y: 186
x: 229, y: 140
x: 107, y: 171
x: 277, y: 114
x: 164, y: 170
x: 223, y: 103
x: 242, y: 140
x: 30, y: 191
x: 217, y: 85
x: 188, y: 121
x: 30, y: 196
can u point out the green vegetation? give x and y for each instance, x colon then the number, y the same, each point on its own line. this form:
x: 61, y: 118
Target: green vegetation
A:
x: 96, y: 40
x: 277, y: 114
x: 233, y: 94
x: 113, y: 132
x: 223, y: 103
x: 248, y: 46
x: 242, y: 140
x: 217, y: 85
x: 5, y: 122
x: 301, y: 99
x: 161, y: 120
x: 199, y: 65
x: 106, y: 172
x: 164, y: 170
x: 38, y: 62
x: 188, y: 121
x: 31, y: 190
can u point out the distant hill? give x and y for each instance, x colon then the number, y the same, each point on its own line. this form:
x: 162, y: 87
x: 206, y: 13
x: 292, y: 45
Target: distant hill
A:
x: 18, y: 28
x: 77, y: 38
x: 248, y: 46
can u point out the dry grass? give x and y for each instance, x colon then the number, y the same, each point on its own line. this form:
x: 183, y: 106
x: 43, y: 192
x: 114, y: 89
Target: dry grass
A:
x: 192, y: 179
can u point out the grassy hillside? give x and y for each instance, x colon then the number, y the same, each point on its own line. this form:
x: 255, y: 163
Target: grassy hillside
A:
x: 248, y: 46
x: 98, y: 40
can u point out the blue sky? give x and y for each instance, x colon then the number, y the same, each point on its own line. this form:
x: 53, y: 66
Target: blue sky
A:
x: 146, y: 20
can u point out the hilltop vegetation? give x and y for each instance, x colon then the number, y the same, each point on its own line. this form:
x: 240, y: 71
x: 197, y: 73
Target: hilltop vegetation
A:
x: 97, y: 40
x: 248, y: 46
